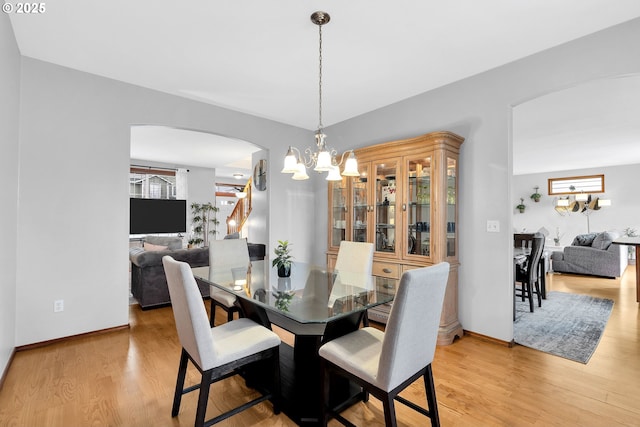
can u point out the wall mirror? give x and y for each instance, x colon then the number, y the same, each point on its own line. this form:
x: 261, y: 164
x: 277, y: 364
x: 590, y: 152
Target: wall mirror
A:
x: 576, y: 184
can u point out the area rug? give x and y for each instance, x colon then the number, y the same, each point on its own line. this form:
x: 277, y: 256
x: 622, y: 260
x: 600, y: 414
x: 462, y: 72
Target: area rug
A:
x: 567, y: 325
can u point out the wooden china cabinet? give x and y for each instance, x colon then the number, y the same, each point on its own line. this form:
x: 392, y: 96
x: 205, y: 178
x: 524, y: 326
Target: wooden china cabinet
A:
x: 405, y: 203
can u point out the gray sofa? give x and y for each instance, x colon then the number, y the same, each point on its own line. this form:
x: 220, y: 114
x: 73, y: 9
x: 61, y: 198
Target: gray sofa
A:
x: 592, y: 254
x: 148, y: 280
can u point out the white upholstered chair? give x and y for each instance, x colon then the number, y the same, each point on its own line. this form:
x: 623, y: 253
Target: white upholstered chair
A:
x: 225, y: 256
x: 217, y: 352
x: 385, y: 363
x: 355, y: 266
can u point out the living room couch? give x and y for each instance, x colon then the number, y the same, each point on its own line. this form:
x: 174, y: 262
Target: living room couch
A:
x: 592, y: 254
x: 148, y: 280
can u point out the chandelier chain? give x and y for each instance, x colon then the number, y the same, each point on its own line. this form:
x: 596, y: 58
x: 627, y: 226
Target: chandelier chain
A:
x: 320, y: 78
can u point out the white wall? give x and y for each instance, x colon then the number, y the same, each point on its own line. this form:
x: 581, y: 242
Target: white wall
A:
x: 75, y: 132
x: 479, y: 109
x: 9, y: 161
x: 620, y: 188
x: 201, y: 189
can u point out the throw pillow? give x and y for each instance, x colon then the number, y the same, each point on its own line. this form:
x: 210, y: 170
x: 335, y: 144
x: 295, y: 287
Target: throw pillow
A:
x: 151, y: 247
x: 584, y: 239
x: 173, y: 243
x: 602, y: 241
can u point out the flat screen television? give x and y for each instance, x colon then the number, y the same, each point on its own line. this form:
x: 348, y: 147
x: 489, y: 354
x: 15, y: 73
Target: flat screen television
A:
x: 157, y: 216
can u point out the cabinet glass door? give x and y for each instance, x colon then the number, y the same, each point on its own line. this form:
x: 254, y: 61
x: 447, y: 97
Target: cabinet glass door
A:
x: 452, y: 196
x: 385, y: 205
x: 419, y: 206
x: 359, y: 201
x: 338, y: 194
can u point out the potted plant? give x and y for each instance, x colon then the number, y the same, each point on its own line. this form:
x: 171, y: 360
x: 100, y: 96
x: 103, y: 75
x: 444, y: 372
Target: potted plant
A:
x: 282, y: 299
x: 536, y: 196
x: 521, y: 206
x: 556, y: 240
x: 283, y: 258
x: 204, y: 215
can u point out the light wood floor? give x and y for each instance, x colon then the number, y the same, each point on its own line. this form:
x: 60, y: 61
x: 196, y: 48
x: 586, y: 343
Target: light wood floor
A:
x: 126, y: 378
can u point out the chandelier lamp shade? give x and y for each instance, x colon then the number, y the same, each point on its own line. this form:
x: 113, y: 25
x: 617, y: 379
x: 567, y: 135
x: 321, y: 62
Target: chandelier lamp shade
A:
x: 323, y: 159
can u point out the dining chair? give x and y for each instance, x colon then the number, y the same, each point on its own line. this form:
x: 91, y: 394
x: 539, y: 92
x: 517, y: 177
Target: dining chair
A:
x: 355, y: 265
x: 219, y: 352
x: 385, y: 363
x: 524, y: 242
x: 528, y: 274
x: 225, y: 256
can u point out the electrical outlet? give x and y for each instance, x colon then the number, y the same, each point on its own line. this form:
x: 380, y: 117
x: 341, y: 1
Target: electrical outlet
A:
x: 58, y: 305
x: 493, y: 226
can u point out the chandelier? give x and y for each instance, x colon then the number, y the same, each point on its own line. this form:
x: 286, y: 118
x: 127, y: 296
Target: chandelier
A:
x: 323, y: 159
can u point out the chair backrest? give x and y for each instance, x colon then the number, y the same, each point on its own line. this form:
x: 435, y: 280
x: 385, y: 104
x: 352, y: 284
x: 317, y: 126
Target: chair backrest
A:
x: 355, y: 263
x: 412, y: 328
x: 231, y: 252
x: 523, y: 240
x: 190, y: 315
x: 355, y: 256
x: 226, y: 255
x: 537, y: 247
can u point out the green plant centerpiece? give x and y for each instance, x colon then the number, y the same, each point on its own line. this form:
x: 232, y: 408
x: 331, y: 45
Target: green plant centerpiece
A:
x: 283, y: 258
x: 521, y: 206
x: 282, y: 299
x: 536, y: 196
x: 204, y: 217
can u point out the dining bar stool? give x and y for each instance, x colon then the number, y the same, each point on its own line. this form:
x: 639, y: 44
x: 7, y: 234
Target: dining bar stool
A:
x: 385, y: 363
x: 219, y: 352
x: 226, y: 255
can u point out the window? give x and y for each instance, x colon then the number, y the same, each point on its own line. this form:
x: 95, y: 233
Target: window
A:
x: 576, y: 184
x: 150, y: 183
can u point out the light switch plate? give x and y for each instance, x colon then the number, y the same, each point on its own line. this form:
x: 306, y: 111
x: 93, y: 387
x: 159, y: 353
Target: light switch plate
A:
x: 493, y: 226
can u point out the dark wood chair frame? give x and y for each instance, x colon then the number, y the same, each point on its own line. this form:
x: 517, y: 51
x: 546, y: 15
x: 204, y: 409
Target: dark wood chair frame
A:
x: 387, y: 398
x: 530, y: 279
x: 222, y: 372
x: 229, y: 310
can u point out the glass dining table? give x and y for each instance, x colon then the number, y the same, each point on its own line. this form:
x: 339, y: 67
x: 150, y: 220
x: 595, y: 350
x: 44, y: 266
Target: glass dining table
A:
x: 315, y: 305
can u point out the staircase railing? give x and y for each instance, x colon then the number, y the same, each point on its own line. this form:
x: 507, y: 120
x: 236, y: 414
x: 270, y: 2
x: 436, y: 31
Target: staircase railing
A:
x: 241, y: 212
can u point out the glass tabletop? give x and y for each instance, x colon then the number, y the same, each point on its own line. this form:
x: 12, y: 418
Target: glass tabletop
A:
x: 311, y: 295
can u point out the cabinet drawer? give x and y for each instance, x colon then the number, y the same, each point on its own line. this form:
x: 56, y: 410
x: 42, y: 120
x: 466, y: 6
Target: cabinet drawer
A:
x: 386, y: 269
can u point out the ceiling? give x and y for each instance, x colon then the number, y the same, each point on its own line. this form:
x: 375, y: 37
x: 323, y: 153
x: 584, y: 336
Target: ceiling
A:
x: 261, y: 57
x: 592, y: 125
x: 182, y: 147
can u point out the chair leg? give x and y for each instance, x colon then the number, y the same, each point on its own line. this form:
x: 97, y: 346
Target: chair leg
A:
x: 431, y: 397
x: 205, y: 386
x: 325, y: 393
x: 389, y: 411
x: 212, y: 320
x: 530, y: 296
x: 182, y: 373
x: 365, y: 319
x: 276, y: 382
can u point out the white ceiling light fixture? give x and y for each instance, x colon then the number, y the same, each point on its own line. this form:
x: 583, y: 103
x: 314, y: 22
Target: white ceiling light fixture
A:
x: 238, y: 175
x: 324, y: 158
